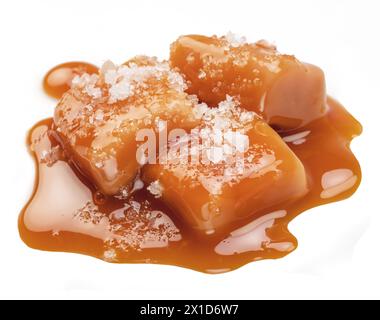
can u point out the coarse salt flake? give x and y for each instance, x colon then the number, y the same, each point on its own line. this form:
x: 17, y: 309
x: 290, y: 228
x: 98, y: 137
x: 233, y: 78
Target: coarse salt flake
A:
x: 156, y: 189
x: 235, y: 40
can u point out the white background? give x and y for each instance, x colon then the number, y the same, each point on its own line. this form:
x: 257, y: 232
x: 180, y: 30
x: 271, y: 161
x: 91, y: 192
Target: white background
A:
x: 338, y: 254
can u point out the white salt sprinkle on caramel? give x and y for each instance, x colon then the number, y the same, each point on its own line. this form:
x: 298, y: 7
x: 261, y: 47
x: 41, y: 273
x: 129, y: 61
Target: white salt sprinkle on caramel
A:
x: 156, y: 189
x: 235, y: 40
x: 224, y: 148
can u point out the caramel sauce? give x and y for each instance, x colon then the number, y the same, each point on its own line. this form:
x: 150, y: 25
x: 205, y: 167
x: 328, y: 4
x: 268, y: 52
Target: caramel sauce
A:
x: 68, y: 213
x: 58, y: 80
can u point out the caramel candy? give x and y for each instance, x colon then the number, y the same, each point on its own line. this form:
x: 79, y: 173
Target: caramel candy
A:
x: 284, y: 91
x: 236, y: 167
x: 97, y: 120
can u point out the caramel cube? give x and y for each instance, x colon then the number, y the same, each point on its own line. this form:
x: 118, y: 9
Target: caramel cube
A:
x: 98, y: 119
x: 236, y: 167
x: 284, y: 91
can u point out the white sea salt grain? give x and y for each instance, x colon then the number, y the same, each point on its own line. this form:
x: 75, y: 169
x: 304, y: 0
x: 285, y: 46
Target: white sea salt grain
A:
x: 123, y: 193
x: 136, y: 206
x: 127, y: 80
x: 226, y: 156
x: 99, y: 164
x: 156, y: 189
x: 124, y: 81
x: 272, y: 66
x: 109, y: 255
x: 119, y: 91
x: 202, y: 74
x: 99, y: 115
x: 118, y: 214
x: 235, y: 40
x: 96, y: 93
x: 177, y: 82
x: 55, y: 233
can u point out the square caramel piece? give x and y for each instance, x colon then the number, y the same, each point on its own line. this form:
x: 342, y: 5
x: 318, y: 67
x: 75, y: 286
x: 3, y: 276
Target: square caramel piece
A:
x: 97, y: 120
x: 284, y: 91
x: 231, y: 167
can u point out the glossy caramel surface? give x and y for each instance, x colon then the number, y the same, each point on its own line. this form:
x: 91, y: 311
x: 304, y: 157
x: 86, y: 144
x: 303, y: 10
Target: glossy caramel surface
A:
x: 68, y: 212
x: 287, y: 93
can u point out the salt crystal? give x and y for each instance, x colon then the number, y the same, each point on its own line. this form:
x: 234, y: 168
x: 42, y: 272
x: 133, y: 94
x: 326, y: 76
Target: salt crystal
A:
x: 109, y: 255
x: 88, y: 108
x: 177, y: 81
x: 201, y: 74
x: 110, y: 77
x: 222, y: 132
x: 272, y: 66
x: 120, y: 91
x: 118, y: 214
x: 99, y: 115
x: 124, y: 81
x: 235, y: 40
x: 75, y: 81
x: 88, y: 84
x: 156, y: 189
x: 124, y: 193
x: 136, y: 206
x: 247, y: 116
x: 96, y: 93
x: 250, y: 158
x: 99, y: 164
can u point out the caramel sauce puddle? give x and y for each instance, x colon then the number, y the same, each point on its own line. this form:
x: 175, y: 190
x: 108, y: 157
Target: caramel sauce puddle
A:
x: 66, y: 213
